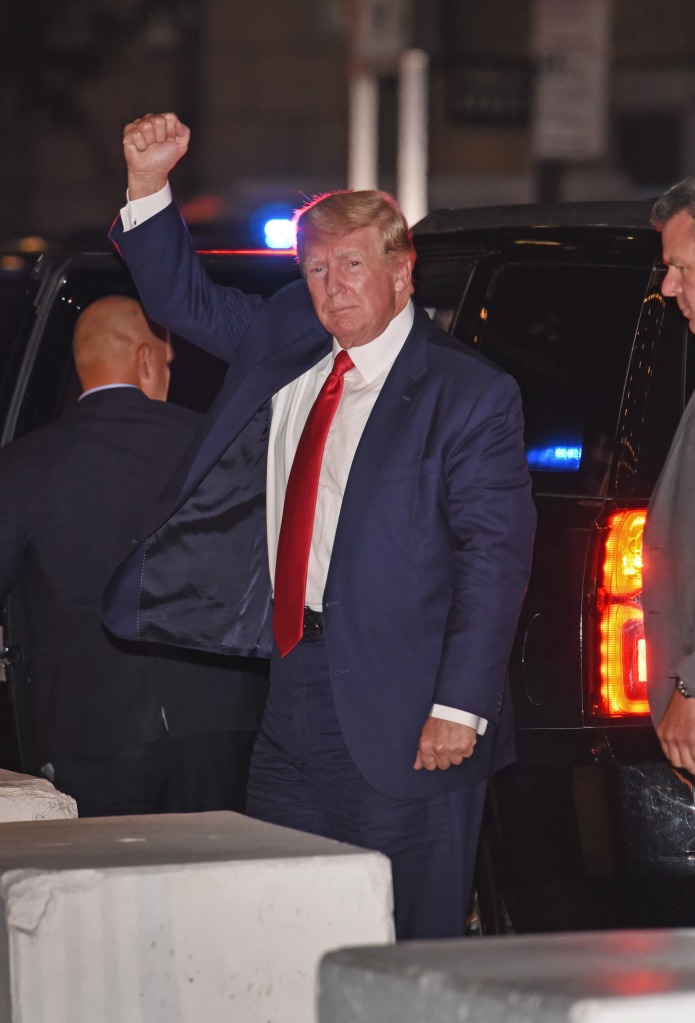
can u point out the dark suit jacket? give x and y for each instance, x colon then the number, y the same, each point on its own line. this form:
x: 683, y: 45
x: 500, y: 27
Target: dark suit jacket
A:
x: 669, y: 571
x: 73, y: 496
x: 432, y: 551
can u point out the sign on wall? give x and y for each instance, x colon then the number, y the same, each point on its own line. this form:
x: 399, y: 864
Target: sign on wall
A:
x: 380, y: 32
x: 571, y: 45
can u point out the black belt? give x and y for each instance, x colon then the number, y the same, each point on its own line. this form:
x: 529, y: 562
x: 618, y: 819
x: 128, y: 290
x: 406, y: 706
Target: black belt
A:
x: 313, y: 622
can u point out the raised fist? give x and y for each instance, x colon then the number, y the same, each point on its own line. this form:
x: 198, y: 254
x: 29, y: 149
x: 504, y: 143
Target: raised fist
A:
x: 152, y: 145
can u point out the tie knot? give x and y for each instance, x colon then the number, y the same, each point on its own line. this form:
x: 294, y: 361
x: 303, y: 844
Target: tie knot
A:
x: 342, y: 363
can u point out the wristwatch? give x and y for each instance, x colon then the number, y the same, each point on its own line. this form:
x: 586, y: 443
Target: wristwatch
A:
x: 683, y: 689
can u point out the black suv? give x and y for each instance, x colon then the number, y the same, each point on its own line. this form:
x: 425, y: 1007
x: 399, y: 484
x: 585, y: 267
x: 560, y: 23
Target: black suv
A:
x: 591, y: 827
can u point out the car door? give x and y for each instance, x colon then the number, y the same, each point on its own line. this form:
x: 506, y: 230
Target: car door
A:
x: 600, y: 359
x: 17, y: 291
x: 39, y: 384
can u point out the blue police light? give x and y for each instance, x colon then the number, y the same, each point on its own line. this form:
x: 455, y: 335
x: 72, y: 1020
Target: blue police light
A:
x: 555, y: 458
x: 279, y: 233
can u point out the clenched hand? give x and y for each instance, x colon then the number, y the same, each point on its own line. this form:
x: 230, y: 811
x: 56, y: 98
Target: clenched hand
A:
x: 152, y: 146
x: 443, y: 743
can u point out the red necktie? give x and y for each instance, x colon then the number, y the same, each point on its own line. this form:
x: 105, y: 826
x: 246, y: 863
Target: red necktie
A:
x: 299, y: 509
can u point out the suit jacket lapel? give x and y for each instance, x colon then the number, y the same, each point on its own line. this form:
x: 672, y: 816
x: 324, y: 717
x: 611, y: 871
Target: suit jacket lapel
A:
x: 390, y: 412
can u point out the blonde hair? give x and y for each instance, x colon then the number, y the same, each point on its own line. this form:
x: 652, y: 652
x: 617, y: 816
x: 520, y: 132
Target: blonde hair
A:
x: 337, y: 213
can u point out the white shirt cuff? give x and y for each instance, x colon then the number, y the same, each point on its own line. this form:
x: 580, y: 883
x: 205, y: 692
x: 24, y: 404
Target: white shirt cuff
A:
x: 461, y: 717
x: 136, y: 211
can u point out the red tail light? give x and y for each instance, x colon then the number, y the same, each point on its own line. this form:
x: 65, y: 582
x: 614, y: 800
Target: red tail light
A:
x: 622, y: 689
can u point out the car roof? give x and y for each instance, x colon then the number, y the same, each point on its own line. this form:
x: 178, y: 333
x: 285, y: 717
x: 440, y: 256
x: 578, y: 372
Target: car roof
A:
x: 632, y: 214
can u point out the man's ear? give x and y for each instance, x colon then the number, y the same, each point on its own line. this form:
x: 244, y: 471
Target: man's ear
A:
x: 143, y: 362
x: 402, y: 273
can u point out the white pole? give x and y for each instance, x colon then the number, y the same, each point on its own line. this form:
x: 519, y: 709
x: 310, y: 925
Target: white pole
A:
x: 413, y: 102
x: 363, y: 138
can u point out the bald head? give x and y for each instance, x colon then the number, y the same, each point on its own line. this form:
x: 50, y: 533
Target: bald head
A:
x: 115, y: 343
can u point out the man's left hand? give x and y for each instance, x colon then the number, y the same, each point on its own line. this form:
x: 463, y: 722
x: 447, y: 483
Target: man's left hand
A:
x: 443, y: 743
x: 676, y: 732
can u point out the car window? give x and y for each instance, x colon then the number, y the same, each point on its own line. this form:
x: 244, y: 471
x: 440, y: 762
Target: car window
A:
x: 53, y: 387
x: 16, y: 316
x: 657, y: 388
x: 565, y: 332
x: 13, y: 288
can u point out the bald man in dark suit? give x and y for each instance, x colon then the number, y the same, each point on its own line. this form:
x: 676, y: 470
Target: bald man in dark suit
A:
x: 124, y: 727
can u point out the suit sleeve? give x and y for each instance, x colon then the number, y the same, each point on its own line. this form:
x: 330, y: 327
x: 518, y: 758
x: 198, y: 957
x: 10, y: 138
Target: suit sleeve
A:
x: 669, y: 570
x: 175, y: 289
x: 492, y: 518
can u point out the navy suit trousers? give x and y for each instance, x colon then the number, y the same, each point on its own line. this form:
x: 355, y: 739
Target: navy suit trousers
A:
x: 303, y: 777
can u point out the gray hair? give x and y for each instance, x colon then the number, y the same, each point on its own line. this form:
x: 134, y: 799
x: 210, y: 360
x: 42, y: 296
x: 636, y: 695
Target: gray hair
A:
x: 678, y: 199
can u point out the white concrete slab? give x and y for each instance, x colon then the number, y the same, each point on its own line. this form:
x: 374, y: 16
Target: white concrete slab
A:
x: 176, y: 918
x: 608, y: 977
x: 26, y: 798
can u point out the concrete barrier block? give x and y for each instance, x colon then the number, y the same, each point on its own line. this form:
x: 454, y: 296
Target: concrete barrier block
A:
x: 177, y: 918
x: 26, y: 798
x: 607, y: 977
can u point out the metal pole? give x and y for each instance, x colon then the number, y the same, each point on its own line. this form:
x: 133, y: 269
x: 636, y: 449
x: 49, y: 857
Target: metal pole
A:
x: 413, y: 102
x: 363, y: 138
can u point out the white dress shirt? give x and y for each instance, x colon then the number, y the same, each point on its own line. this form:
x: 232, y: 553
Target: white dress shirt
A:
x: 291, y: 406
x: 105, y: 387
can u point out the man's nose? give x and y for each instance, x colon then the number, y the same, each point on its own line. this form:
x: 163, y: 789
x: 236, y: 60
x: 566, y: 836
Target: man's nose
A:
x: 669, y: 285
x: 333, y: 281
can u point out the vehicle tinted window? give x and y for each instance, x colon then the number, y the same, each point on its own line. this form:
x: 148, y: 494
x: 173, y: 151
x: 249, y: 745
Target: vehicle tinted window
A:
x: 16, y: 313
x: 12, y: 309
x: 53, y: 387
x: 658, y: 385
x: 565, y: 332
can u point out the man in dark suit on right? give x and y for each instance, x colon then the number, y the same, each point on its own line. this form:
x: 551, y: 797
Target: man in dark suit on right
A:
x: 123, y: 727
x: 669, y: 536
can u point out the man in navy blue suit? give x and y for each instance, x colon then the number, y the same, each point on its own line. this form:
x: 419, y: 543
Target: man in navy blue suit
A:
x: 386, y: 718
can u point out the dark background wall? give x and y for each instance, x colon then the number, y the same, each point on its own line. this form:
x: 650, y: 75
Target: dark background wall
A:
x: 264, y: 86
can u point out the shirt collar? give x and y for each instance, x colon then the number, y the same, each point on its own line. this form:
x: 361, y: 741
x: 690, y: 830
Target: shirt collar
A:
x: 374, y: 358
x: 105, y: 387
